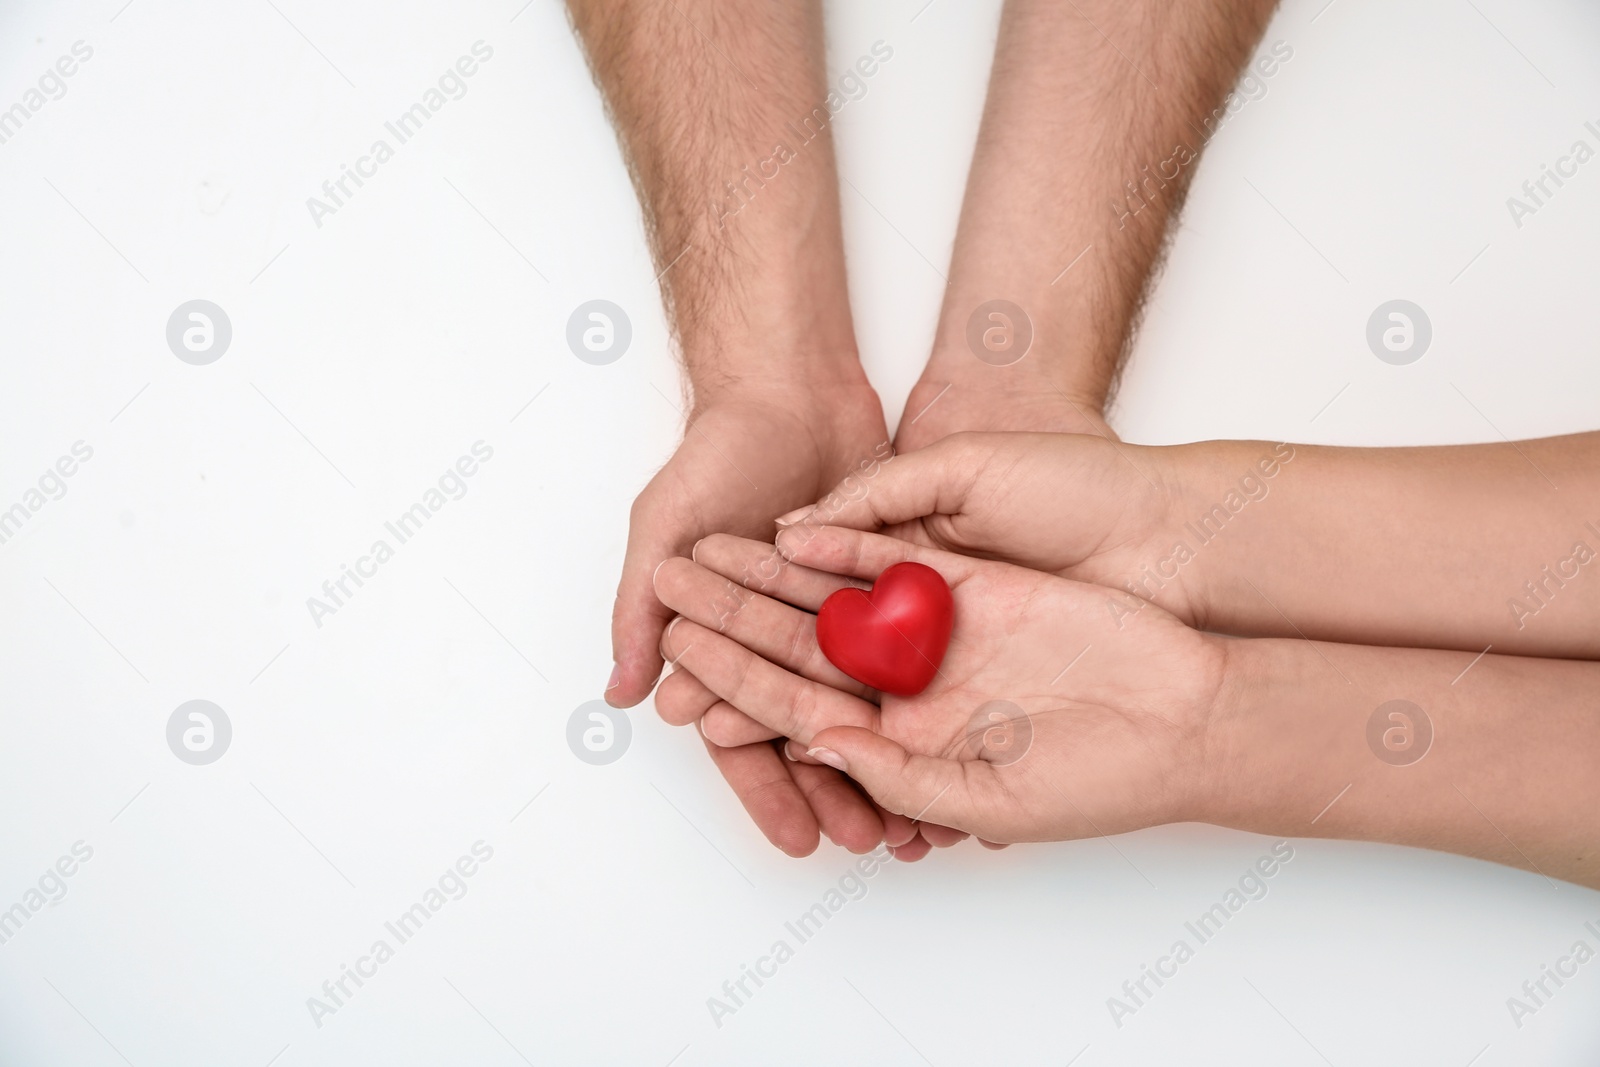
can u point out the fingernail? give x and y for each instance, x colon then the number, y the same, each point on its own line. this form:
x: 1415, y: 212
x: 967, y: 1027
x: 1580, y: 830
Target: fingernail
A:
x: 795, y: 516
x: 789, y: 752
x: 693, y: 551
x: 616, y: 678
x: 830, y: 757
x: 676, y: 619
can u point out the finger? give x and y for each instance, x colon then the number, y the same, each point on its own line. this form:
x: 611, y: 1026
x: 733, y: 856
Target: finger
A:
x: 917, y: 532
x: 934, y: 480
x: 760, y: 779
x: 992, y: 845
x: 729, y: 727
x: 637, y: 618
x: 681, y: 698
x: 848, y: 818
x: 942, y: 836
x: 758, y: 565
x: 866, y: 555
x: 912, y: 850
x: 796, y: 753
x: 897, y: 829
x: 772, y: 630
x: 793, y: 706
x: 948, y: 790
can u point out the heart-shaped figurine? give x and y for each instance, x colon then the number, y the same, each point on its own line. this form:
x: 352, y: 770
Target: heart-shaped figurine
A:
x: 894, y: 637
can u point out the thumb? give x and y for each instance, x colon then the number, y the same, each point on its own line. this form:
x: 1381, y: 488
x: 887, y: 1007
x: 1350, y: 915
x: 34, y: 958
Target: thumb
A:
x: 923, y: 787
x: 638, y: 619
x: 929, y: 481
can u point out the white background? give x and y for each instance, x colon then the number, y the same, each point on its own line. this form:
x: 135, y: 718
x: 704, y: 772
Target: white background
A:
x: 369, y: 353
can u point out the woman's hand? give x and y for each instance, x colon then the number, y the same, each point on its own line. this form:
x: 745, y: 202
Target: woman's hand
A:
x: 1054, y: 715
x: 1075, y: 505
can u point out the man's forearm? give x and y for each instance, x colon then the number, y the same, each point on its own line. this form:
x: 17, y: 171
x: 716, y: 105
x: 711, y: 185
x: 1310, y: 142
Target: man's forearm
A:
x: 1096, y: 114
x: 1448, y: 547
x: 719, y: 108
x: 1398, y: 745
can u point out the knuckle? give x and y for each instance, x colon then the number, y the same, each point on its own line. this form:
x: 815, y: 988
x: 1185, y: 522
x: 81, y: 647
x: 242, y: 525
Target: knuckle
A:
x: 727, y: 605
x: 739, y: 678
x: 798, y: 657
x: 853, y: 554
x: 767, y: 569
x: 802, y: 709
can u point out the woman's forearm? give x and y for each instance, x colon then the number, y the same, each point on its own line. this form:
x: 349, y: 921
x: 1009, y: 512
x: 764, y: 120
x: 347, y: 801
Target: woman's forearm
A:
x: 1498, y: 758
x: 1460, y: 547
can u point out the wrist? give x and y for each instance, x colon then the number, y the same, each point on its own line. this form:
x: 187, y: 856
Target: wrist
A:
x: 1159, y: 535
x: 782, y: 332
x: 1073, y: 343
x: 1229, y: 765
x: 806, y: 380
x: 1281, y: 739
x: 1050, y: 372
x: 1213, y: 490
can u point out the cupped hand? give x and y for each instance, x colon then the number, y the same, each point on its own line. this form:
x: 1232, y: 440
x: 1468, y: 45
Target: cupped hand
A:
x: 731, y: 735
x: 750, y: 452
x: 1074, y: 505
x: 1052, y: 716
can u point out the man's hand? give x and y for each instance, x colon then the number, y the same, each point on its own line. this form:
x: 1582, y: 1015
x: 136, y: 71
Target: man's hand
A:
x: 719, y: 109
x: 749, y: 454
x: 746, y: 456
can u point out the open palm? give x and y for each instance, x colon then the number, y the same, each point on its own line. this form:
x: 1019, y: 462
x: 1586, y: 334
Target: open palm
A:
x: 1051, y: 716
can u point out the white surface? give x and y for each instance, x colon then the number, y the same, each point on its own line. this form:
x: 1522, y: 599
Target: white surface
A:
x: 405, y: 728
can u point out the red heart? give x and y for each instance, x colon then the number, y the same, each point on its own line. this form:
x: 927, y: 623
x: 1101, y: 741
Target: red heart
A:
x: 893, y: 638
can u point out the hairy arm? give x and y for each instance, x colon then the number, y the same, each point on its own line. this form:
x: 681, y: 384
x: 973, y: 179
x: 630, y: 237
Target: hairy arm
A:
x: 713, y: 101
x: 1096, y: 115
x: 716, y: 105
